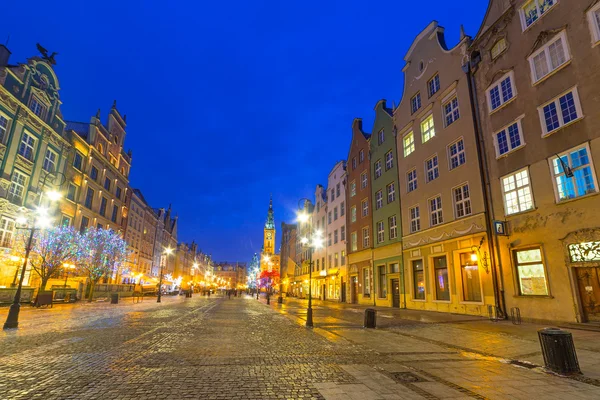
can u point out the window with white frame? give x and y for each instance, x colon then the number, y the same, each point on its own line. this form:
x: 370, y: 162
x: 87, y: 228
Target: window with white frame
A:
x: 365, y: 207
x: 343, y: 233
x: 501, y: 91
x: 50, y: 161
x: 26, y: 148
x: 550, y: 57
x: 363, y: 180
x: 415, y: 219
x: 380, y: 232
x: 532, y: 10
x: 435, y: 211
x: 415, y: 103
x: 561, y: 111
x: 462, y: 201
x: 3, y: 127
x: 411, y: 179
x: 509, y: 138
x: 381, y: 136
x: 451, y: 112
x: 389, y: 160
x: 377, y: 169
x: 498, y: 48
x: 391, y: 193
x: 393, y: 226
x: 335, y: 236
x: 573, y: 173
x: 7, y: 229
x: 354, y: 241
x: 456, y: 154
x: 594, y: 20
x: 337, y: 190
x: 427, y: 129
x: 353, y: 214
x: 361, y: 156
x: 18, y: 182
x: 378, y: 199
x: 342, y: 209
x: 37, y: 107
x: 352, y: 189
x: 409, y: 143
x: 366, y: 239
x: 432, y: 170
x: 516, y: 190
x: 433, y: 86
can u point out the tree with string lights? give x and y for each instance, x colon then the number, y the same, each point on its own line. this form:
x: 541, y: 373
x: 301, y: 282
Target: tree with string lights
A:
x: 100, y: 253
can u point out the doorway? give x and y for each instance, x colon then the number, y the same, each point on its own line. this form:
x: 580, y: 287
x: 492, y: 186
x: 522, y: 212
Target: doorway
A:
x: 342, y: 291
x: 396, y: 293
x: 588, y: 282
x: 354, y: 290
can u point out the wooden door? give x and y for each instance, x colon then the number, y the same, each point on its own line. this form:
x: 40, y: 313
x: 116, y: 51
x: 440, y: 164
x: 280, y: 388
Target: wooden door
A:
x: 354, y: 290
x: 395, y: 293
x: 588, y: 281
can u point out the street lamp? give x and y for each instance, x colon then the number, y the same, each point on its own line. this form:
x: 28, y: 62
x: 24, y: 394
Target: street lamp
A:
x: 40, y: 221
x: 168, y: 251
x: 313, y: 241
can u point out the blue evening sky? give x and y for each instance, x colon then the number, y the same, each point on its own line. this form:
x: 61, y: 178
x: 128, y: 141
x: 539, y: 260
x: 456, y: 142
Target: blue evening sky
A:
x: 228, y: 101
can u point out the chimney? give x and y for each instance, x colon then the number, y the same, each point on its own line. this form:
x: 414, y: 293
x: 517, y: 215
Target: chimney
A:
x: 4, y: 55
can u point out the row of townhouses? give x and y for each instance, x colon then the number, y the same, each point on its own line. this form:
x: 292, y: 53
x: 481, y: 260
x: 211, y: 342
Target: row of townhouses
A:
x: 478, y: 192
x: 41, y: 151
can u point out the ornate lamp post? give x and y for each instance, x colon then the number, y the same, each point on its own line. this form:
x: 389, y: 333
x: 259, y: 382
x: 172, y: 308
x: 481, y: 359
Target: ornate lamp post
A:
x: 168, y: 251
x: 40, y: 221
x: 313, y: 240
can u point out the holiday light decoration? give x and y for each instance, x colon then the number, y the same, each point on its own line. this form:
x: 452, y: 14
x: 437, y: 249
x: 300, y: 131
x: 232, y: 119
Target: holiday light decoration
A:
x: 101, y: 252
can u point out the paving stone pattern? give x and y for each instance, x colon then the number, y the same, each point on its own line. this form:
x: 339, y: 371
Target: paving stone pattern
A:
x: 239, y: 348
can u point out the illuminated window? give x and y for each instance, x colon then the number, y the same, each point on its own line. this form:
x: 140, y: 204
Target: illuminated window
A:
x: 366, y: 282
x: 585, y: 252
x: 471, y: 283
x: 7, y: 229
x: 418, y: 280
x: 409, y: 143
x: 498, y: 48
x: 427, y: 129
x: 354, y: 241
x: 352, y: 189
x: 516, y: 190
x: 353, y: 214
x: 16, y: 190
x: 550, y: 57
x: 533, y: 10
x: 382, y: 287
x: 442, y: 289
x: 531, y: 275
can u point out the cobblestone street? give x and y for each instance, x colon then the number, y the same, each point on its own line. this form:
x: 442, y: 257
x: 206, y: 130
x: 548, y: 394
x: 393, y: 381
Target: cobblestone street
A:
x: 217, y: 348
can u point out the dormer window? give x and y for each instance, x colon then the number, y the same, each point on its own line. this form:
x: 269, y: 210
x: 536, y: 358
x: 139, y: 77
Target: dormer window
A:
x: 533, y: 10
x: 498, y: 48
x: 37, y: 107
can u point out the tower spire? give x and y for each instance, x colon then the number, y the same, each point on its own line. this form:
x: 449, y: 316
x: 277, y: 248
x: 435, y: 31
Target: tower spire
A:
x: 270, y: 224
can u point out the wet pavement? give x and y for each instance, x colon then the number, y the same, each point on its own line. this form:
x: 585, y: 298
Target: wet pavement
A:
x: 240, y: 348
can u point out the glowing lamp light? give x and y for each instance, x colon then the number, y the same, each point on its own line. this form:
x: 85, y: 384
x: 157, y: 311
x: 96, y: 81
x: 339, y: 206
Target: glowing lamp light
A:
x: 43, y: 222
x: 302, y: 217
x: 53, y: 195
x: 474, y: 257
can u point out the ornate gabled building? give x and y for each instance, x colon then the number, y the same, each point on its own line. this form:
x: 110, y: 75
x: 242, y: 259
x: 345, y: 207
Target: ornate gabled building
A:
x: 33, y: 145
x: 98, y: 171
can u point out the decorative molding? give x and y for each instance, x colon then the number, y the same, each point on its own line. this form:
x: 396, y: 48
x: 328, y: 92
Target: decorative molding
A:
x: 445, y: 235
x: 543, y: 38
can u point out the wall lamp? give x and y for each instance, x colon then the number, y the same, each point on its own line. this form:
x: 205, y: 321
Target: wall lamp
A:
x: 476, y: 256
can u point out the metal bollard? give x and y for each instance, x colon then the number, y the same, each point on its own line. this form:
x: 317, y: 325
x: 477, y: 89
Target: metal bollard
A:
x: 370, y: 318
x: 114, y: 298
x: 559, y: 351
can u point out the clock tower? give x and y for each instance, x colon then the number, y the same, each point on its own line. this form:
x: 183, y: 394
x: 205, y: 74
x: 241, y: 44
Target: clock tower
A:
x: 269, y: 260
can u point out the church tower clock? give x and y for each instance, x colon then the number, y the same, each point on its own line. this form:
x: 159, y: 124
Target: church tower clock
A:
x: 269, y: 260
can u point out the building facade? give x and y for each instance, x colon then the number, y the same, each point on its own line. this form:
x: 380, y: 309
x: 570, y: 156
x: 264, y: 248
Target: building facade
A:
x: 536, y: 69
x: 335, y: 277
x: 359, y: 244
x: 300, y: 284
x: 445, y: 246
x: 33, y: 149
x: 269, y: 259
x: 321, y: 224
x: 287, y: 256
x: 385, y: 207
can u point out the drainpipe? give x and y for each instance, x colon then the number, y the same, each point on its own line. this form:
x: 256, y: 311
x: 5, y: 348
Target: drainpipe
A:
x: 497, y: 282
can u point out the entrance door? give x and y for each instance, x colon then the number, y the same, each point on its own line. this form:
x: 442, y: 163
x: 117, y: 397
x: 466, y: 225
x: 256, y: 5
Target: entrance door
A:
x: 395, y: 293
x: 354, y: 290
x: 324, y: 292
x: 343, y: 291
x: 588, y: 281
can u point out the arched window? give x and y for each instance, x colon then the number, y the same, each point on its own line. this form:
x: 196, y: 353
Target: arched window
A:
x: 498, y: 48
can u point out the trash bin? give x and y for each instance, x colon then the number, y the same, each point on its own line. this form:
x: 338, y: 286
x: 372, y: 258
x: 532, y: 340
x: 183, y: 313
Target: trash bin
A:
x: 370, y: 318
x: 558, y: 350
x: 114, y: 298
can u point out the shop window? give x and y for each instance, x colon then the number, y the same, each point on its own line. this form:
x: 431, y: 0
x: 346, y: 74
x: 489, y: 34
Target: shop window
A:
x: 442, y: 289
x: 382, y: 282
x: 418, y: 280
x: 470, y: 278
x: 531, y: 275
